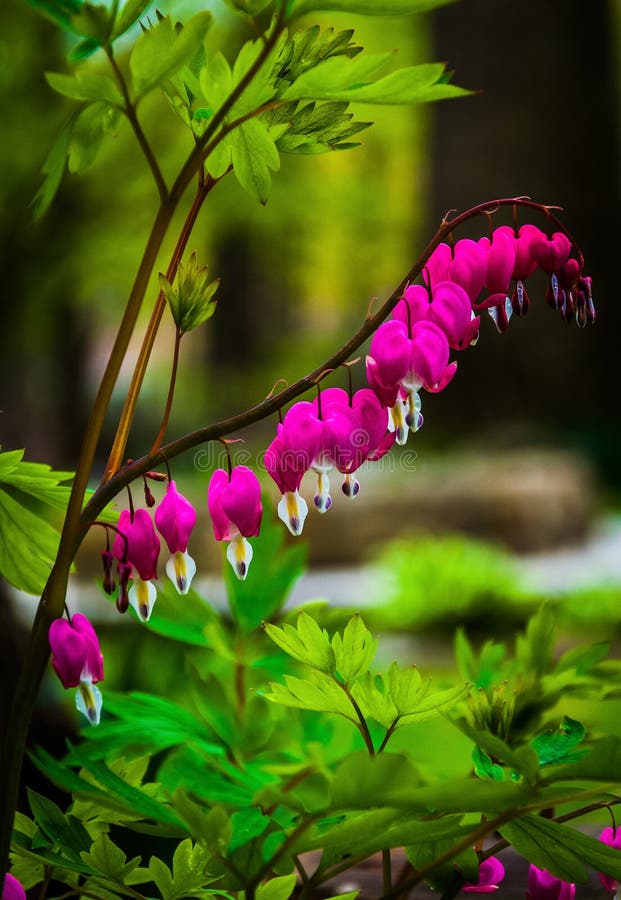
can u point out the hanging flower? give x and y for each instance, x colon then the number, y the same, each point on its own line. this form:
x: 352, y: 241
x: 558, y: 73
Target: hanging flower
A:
x: 12, y: 889
x: 491, y: 872
x: 500, y: 265
x: 399, y: 364
x: 524, y: 265
x: 77, y: 660
x: 611, y: 837
x: 175, y: 518
x: 289, y: 456
x: 139, y: 545
x: 447, y: 305
x: 235, y: 507
x: 542, y: 885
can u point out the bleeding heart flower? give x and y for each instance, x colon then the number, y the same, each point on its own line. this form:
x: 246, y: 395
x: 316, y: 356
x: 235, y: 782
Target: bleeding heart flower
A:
x: 77, y: 660
x: 542, y: 885
x: 139, y: 545
x: 175, y: 518
x: 468, y: 268
x: 525, y: 263
x: 448, y: 307
x: 612, y: 838
x: 12, y: 889
x: 500, y: 265
x: 491, y: 872
x: 235, y: 507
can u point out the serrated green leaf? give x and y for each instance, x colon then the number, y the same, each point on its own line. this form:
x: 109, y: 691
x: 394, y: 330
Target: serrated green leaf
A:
x: 368, y: 7
x: 86, y: 85
x: 354, y: 651
x: 109, y: 860
x: 162, y: 876
x: 262, y: 88
x: 189, y: 870
x: 53, y: 168
x: 337, y: 75
x: 162, y: 50
x: 253, y: 154
x: 277, y: 888
x: 212, y: 829
x: 129, y: 14
x: 87, y: 135
x: 318, y: 692
x: 307, y: 642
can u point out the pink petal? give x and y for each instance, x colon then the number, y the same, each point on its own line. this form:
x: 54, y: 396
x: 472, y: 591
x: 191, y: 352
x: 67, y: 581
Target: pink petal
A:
x: 175, y: 518
x: 12, y: 889
x: 219, y: 519
x: 436, y: 267
x: 241, y: 501
x: 94, y: 659
x: 551, y: 253
x: 469, y: 267
x: 500, y: 262
x: 68, y: 652
x: 386, y: 393
x: 429, y: 353
x: 390, y: 348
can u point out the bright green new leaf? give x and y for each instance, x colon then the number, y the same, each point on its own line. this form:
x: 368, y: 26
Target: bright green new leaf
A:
x: 317, y: 692
x: 261, y: 88
x: 131, y: 12
x: 367, y: 7
x: 87, y: 135
x: 163, y: 50
x: 354, y: 651
x: 216, y: 80
x: 307, y: 642
x: 92, y: 21
x: 28, y: 545
x: 86, y: 85
x: 253, y: 154
x: 277, y: 888
x: 109, y: 860
x: 337, y: 75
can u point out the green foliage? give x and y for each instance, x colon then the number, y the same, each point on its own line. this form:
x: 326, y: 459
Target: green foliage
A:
x: 368, y: 7
x: 29, y: 494
x: 276, y: 567
x: 90, y: 128
x: 557, y: 746
x: 191, y: 300
x: 189, y: 872
x: 162, y: 50
x: 86, y: 84
x: 445, y: 581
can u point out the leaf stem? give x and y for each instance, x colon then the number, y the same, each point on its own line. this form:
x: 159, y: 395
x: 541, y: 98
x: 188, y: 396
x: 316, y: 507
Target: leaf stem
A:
x: 130, y: 112
x: 157, y: 443
x: 386, y: 871
x: 362, y: 722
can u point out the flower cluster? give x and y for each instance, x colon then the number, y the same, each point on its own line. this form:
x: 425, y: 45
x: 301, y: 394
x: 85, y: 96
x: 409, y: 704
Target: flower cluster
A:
x: 338, y: 430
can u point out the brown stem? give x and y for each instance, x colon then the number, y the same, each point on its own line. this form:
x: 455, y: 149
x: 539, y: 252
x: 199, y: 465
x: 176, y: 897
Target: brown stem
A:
x: 271, y: 404
x: 157, y: 443
x: 130, y: 112
x: 362, y: 722
x: 386, y: 871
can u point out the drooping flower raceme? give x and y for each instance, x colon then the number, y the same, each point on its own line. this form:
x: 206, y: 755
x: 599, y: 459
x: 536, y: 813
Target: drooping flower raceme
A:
x: 491, y: 873
x: 401, y: 362
x: 12, y: 889
x: 235, y: 507
x: 611, y: 837
x: 77, y: 660
x: 175, y: 518
x: 542, y: 885
x: 138, y: 545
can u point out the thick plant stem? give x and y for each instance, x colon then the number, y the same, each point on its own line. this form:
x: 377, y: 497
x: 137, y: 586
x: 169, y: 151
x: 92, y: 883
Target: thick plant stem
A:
x: 386, y: 871
x: 53, y: 597
x: 129, y: 406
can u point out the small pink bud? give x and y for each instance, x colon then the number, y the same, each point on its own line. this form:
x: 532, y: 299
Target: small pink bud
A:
x: 107, y: 558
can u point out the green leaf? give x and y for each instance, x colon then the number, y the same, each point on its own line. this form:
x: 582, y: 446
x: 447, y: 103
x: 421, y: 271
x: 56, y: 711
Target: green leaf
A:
x: 28, y: 546
x: 191, y: 300
x: 523, y: 759
x: 253, y: 154
x: 354, y: 651
x: 261, y: 88
x: 189, y: 870
x: 247, y: 824
x: 87, y: 135
x: 131, y: 12
x: 336, y: 76
x: 83, y: 50
x: 602, y: 763
x: 368, y: 7
x: 318, y: 692
x: 59, y: 11
x: 484, y: 767
x: 307, y: 642
x: 561, y: 850
x: 335, y: 80
x: 92, y: 21
x: 277, y: 888
x: 276, y: 566
x: 86, y: 84
x: 558, y: 746
x: 53, y: 168
x: 163, y: 50
x: 109, y: 860
x: 212, y: 829
x: 64, y: 830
